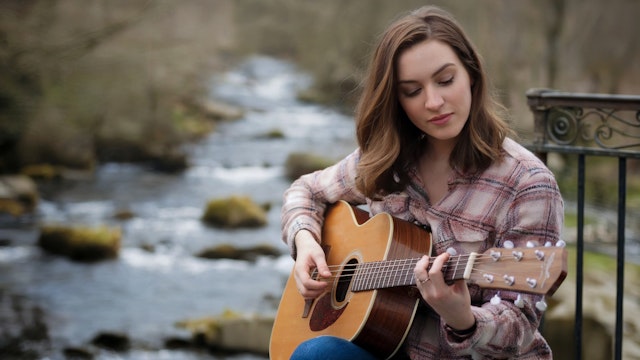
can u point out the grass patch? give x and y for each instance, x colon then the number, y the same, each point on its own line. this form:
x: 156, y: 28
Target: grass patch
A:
x: 571, y: 220
x: 599, y: 262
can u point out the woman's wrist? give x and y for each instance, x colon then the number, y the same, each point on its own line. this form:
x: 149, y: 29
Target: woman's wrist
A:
x: 460, y: 335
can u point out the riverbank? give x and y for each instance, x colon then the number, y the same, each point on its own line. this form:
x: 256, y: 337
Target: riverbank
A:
x: 158, y: 279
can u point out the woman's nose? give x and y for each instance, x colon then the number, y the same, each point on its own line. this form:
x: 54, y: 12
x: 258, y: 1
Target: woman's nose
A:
x: 434, y: 101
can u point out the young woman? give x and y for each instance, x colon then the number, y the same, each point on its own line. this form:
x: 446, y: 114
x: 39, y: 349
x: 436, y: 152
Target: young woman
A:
x: 434, y: 151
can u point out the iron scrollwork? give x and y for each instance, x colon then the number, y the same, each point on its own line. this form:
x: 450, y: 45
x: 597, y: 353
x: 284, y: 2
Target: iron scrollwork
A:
x: 604, y: 128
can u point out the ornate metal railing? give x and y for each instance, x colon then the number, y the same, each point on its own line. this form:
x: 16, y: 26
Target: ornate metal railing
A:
x: 594, y: 124
x: 590, y: 125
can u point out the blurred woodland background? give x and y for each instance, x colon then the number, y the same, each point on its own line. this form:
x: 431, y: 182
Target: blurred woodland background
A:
x: 88, y: 81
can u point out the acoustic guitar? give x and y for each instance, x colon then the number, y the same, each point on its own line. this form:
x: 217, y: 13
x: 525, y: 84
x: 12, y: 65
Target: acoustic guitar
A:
x: 372, y: 299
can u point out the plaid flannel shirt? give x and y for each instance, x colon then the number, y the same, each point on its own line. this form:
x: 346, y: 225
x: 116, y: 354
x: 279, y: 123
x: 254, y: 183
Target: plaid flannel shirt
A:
x: 516, y: 199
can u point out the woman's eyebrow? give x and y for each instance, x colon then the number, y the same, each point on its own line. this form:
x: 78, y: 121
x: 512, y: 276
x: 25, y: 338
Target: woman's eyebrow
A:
x: 435, y: 73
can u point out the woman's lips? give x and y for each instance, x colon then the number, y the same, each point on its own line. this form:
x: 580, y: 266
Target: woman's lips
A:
x: 440, y: 119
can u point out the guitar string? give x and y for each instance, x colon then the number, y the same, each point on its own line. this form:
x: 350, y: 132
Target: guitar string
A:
x: 408, y: 261
x: 385, y: 269
x: 394, y: 266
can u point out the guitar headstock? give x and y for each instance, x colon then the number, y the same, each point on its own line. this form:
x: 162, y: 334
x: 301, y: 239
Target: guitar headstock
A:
x: 536, y: 270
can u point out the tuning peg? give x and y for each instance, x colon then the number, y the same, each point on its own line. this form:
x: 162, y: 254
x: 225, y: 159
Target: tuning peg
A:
x: 561, y: 243
x: 508, y: 244
x: 452, y: 251
x: 531, y: 244
x: 541, y: 305
x: 532, y: 282
x: 495, y: 255
x: 518, y: 255
x: 539, y: 254
x: 519, y: 302
x: 548, y: 244
x: 509, y: 280
x: 495, y: 300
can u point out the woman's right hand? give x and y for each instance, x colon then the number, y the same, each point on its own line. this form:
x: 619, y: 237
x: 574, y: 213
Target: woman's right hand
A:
x: 310, y: 256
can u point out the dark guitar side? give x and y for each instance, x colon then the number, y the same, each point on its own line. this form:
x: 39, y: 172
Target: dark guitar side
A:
x: 383, y: 316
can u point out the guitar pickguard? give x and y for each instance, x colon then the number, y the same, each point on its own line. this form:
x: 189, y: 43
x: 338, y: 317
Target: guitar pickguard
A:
x: 324, y: 314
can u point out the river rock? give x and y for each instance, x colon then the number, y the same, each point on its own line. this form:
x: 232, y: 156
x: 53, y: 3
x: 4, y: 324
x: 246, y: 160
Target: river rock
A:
x: 235, y: 253
x: 217, y: 110
x: 23, y: 330
x: 77, y: 353
x: 299, y: 164
x: 113, y: 341
x: 598, y: 316
x: 18, y: 195
x: 232, y: 332
x: 83, y: 244
x: 42, y: 171
x: 234, y: 212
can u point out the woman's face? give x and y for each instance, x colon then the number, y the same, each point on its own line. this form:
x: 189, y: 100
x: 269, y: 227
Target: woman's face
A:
x: 434, y: 90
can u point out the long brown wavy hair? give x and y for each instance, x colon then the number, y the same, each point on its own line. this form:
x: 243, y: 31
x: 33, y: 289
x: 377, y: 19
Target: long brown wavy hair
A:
x: 389, y: 141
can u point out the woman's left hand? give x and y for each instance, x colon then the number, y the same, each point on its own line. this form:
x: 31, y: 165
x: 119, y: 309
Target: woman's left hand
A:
x: 451, y: 302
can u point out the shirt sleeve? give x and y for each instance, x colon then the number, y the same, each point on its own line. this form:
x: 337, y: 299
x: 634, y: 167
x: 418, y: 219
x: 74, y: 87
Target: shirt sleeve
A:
x: 306, y: 200
x: 502, y: 328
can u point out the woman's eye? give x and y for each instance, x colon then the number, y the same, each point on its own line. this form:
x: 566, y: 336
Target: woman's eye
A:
x: 446, y: 81
x: 411, y: 92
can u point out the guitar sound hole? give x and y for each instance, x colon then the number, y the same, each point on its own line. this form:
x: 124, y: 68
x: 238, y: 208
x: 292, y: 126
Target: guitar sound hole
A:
x: 344, y: 282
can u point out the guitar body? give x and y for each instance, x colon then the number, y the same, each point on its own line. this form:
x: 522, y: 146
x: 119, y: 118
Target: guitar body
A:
x: 377, y: 320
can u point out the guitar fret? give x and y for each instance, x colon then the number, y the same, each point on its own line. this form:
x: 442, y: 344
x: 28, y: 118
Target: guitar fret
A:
x: 386, y: 269
x: 365, y: 276
x: 370, y: 278
x: 455, y: 270
x: 357, y: 276
x: 408, y: 274
x: 411, y: 280
x: 389, y: 268
x: 445, y: 269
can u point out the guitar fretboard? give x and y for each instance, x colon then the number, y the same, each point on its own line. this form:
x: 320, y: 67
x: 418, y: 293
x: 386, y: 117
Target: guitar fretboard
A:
x: 392, y: 273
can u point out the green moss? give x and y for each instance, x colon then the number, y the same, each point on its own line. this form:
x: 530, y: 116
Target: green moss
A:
x: 81, y: 243
x: 191, y: 123
x: 42, y: 171
x: 273, y: 134
x: 234, y: 212
x: 12, y: 207
x: 595, y: 261
x: 571, y: 220
x: 205, y: 330
x: 298, y: 164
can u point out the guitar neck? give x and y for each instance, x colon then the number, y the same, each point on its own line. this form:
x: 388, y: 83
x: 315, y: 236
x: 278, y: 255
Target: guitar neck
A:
x: 391, y: 273
x: 537, y: 270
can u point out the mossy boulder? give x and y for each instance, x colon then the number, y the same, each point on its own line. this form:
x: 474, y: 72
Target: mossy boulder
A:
x: 232, y: 252
x: 272, y: 134
x: 215, y: 109
x: 18, y: 195
x: 234, y: 212
x: 84, y: 244
x: 42, y: 171
x: 231, y: 332
x: 299, y: 164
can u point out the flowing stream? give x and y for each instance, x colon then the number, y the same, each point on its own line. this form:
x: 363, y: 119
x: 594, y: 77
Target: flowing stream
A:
x: 144, y: 293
